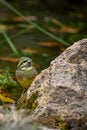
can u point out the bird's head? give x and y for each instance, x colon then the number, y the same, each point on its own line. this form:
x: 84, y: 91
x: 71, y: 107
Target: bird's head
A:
x: 24, y: 63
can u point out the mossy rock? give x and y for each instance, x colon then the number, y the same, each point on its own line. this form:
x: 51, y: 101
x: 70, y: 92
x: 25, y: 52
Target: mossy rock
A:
x: 29, y: 104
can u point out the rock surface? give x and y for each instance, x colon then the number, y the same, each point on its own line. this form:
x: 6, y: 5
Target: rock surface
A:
x: 62, y: 89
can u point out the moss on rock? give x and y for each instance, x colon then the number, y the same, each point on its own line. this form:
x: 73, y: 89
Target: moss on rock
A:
x: 32, y: 103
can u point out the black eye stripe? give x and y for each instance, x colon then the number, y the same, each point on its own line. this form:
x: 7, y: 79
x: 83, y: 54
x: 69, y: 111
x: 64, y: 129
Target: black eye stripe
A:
x: 23, y: 62
x: 20, y: 65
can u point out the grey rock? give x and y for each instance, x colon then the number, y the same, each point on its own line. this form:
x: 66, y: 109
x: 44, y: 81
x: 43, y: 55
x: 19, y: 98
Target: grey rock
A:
x: 62, y: 88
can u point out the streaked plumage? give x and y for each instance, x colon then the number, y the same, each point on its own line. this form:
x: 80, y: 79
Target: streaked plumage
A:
x: 25, y: 72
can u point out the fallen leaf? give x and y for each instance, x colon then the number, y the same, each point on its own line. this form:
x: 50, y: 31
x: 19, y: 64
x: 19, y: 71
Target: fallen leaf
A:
x: 30, y: 50
x: 13, y: 59
x: 5, y: 97
x: 77, y: 15
x: 53, y: 30
x: 21, y: 19
x: 57, y: 22
x: 63, y: 28
x: 50, y: 44
x: 67, y: 29
x: 62, y: 49
x: 5, y: 27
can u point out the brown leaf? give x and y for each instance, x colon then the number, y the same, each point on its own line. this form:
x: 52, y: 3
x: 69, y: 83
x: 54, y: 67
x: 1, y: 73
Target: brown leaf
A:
x: 50, y: 44
x: 67, y: 29
x: 63, y: 28
x: 53, y: 30
x: 21, y: 19
x: 13, y: 59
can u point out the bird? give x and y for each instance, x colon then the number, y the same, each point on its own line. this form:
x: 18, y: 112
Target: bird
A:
x: 25, y: 72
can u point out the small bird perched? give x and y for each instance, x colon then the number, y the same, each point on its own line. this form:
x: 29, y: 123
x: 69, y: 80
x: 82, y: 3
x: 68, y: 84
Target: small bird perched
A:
x: 25, y: 72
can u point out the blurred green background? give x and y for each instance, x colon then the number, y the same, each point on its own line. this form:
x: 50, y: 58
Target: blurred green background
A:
x: 56, y: 25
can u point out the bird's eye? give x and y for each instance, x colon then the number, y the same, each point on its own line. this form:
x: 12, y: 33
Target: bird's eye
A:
x: 29, y: 64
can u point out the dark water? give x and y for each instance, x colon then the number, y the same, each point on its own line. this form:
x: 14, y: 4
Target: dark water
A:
x: 33, y: 43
